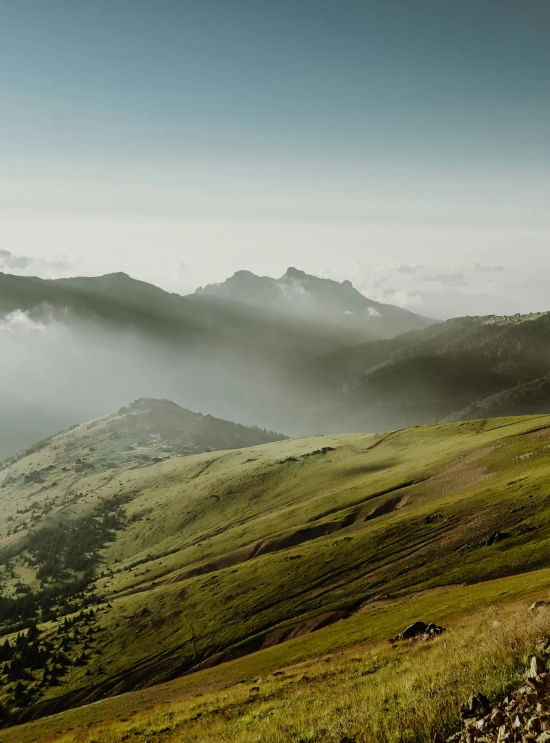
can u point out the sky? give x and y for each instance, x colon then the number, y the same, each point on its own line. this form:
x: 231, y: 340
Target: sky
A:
x: 182, y: 140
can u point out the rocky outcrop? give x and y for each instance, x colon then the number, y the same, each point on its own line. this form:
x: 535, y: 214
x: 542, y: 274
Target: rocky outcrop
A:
x: 418, y: 631
x: 523, y: 716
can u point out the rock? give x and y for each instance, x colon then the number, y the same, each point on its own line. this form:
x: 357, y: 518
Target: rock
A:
x: 534, y: 725
x: 518, y: 722
x: 497, y: 718
x: 539, y: 605
x: 419, y: 630
x: 477, y: 704
x: 495, y: 537
x: 537, y: 667
x: 521, y: 717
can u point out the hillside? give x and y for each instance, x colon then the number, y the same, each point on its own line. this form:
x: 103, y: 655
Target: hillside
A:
x: 529, y: 397
x: 149, y: 430
x: 444, y: 372
x: 224, y: 566
x: 303, y: 295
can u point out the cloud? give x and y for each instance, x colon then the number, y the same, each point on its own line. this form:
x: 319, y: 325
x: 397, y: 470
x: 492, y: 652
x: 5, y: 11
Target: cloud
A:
x: 293, y: 289
x: 403, y: 268
x: 463, y: 274
x: 27, y: 265
x: 14, y: 262
x: 19, y: 321
x: 454, y: 279
x: 372, y: 312
x: 400, y: 297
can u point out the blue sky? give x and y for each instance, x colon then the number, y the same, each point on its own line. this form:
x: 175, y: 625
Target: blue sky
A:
x: 181, y: 140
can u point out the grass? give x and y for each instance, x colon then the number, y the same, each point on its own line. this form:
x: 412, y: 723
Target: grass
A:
x: 228, y: 552
x: 372, y: 693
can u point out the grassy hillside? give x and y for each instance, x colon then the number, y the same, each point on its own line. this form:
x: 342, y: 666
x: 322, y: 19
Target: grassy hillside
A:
x: 203, y: 565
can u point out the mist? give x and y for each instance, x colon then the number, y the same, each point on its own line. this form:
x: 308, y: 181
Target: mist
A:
x: 55, y: 374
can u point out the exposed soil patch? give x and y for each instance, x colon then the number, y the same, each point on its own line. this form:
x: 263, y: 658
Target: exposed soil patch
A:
x: 272, y: 637
x: 392, y: 504
x: 294, y: 539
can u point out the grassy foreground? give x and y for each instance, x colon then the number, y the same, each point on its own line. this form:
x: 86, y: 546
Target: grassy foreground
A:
x: 211, y: 571
x: 370, y: 693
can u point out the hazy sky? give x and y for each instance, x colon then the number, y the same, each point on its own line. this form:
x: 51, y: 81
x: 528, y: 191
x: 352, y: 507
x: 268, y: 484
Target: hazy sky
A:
x: 181, y: 140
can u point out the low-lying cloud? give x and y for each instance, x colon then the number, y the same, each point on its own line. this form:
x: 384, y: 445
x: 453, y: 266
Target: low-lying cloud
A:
x: 453, y: 290
x: 20, y: 321
x: 57, y: 372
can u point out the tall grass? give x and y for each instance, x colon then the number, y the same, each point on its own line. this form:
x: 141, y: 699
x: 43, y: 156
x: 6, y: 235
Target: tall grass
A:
x: 401, y: 695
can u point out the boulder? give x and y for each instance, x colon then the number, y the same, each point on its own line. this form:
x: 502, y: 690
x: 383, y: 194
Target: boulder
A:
x: 477, y: 705
x: 419, y: 630
x: 539, y: 605
x: 496, y: 536
x: 537, y: 667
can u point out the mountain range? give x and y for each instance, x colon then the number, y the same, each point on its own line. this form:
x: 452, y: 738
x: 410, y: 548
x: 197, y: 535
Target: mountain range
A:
x: 78, y: 348
x: 324, y: 300
x: 298, y: 354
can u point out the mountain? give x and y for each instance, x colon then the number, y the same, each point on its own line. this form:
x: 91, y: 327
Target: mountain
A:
x: 263, y: 575
x: 151, y: 430
x: 77, y: 348
x: 120, y: 303
x: 73, y: 349
x: 300, y: 294
x: 445, y: 371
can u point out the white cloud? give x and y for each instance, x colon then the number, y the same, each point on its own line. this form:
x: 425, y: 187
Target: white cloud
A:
x: 20, y: 321
x: 293, y: 290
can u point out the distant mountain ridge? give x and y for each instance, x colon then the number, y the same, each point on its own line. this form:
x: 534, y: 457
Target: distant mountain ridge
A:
x: 464, y: 368
x: 299, y: 354
x: 302, y: 294
x: 108, y: 338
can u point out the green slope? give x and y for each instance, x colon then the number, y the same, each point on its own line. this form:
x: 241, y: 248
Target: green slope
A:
x: 208, y: 557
